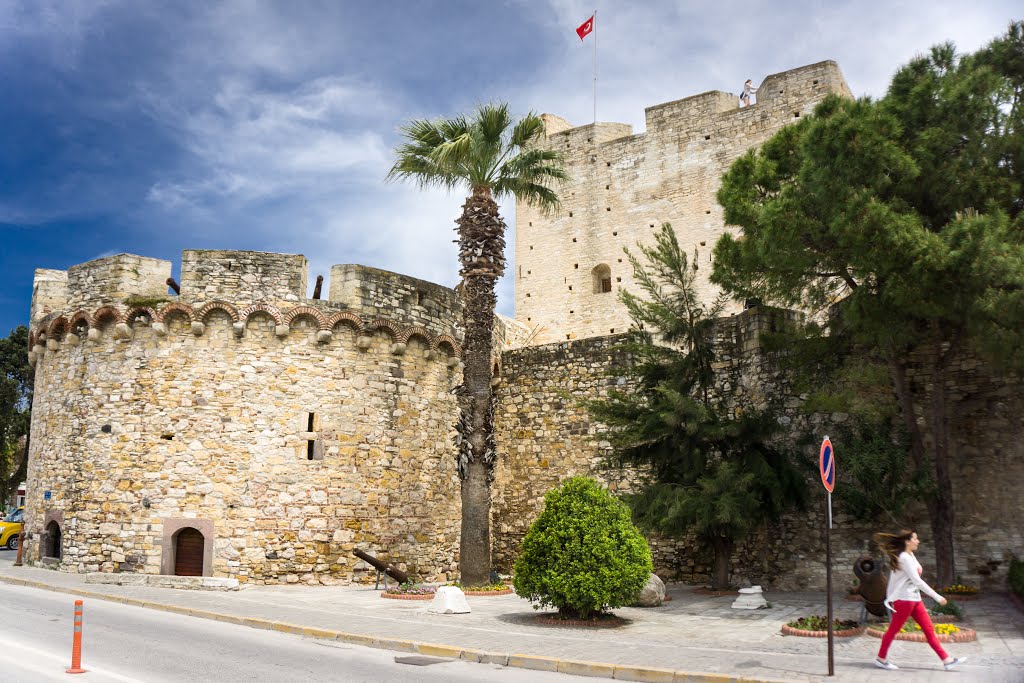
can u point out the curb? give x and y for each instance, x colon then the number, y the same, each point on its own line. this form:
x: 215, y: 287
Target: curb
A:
x: 523, y: 661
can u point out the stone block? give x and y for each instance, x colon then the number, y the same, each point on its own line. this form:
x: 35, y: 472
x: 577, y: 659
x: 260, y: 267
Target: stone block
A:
x: 750, y: 598
x: 449, y: 600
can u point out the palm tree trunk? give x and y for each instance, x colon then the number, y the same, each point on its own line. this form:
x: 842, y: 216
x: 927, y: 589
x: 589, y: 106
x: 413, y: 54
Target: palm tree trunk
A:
x: 481, y: 254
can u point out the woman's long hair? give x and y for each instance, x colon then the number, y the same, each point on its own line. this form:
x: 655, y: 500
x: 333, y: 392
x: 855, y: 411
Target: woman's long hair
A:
x: 892, y: 545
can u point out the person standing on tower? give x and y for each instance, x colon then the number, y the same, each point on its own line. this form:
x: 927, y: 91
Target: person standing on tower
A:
x: 748, y: 88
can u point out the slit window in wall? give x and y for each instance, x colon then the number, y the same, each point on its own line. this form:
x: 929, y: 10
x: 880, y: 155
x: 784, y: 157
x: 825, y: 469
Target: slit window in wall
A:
x: 314, y: 450
x: 602, y: 277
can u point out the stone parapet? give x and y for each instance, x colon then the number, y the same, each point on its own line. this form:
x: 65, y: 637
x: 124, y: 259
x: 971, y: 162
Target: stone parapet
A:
x: 113, y: 279
x: 49, y: 293
x: 377, y: 293
x: 213, y: 275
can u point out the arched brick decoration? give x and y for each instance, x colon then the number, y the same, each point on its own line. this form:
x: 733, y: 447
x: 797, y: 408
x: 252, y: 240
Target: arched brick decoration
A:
x: 146, y: 310
x: 346, y: 318
x: 446, y: 342
x: 249, y: 311
x: 172, y: 525
x: 416, y: 331
x: 57, y: 328
x: 80, y: 321
x: 299, y: 311
x: 217, y: 306
x: 173, y: 309
x: 380, y: 324
x: 107, y: 314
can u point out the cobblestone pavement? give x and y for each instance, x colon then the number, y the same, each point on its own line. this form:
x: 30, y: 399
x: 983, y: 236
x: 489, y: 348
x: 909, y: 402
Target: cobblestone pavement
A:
x: 692, y: 634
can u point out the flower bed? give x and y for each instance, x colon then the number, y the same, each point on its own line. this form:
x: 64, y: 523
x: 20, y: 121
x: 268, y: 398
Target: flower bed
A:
x: 492, y: 589
x: 599, y: 621
x: 406, y: 596
x: 817, y: 627
x: 410, y: 591
x: 946, y: 633
x: 960, y: 592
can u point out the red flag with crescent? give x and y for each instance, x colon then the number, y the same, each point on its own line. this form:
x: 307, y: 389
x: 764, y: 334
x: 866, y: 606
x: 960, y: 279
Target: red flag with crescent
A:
x: 585, y: 28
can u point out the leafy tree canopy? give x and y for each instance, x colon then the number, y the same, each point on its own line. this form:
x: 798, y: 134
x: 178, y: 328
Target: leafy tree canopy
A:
x: 904, y: 217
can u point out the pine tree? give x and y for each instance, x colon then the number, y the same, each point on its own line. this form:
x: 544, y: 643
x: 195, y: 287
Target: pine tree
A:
x: 706, y: 470
x: 905, y: 215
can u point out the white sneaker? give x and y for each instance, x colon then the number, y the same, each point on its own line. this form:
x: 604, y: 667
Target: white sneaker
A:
x: 889, y: 666
x: 956, y: 660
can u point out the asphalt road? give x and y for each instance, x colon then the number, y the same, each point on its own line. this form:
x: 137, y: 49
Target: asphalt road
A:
x: 122, y: 643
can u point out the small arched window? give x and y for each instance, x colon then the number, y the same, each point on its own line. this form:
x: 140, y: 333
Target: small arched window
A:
x: 602, y: 276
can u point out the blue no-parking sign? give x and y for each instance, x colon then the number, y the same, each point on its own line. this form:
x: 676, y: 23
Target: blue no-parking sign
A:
x: 827, y: 465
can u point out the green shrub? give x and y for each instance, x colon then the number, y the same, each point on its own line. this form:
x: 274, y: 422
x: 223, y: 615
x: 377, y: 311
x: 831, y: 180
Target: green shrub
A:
x: 951, y: 607
x: 1017, y: 576
x: 583, y: 554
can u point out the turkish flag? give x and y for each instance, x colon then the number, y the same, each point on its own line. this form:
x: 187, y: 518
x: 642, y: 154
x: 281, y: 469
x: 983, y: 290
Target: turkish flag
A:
x: 585, y: 28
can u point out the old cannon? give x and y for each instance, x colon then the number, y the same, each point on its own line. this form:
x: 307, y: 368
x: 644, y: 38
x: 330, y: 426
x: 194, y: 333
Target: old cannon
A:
x: 383, y: 568
x: 872, y: 585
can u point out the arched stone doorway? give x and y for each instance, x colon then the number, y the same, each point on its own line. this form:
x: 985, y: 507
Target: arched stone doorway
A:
x: 178, y: 547
x: 188, y: 552
x: 52, y: 541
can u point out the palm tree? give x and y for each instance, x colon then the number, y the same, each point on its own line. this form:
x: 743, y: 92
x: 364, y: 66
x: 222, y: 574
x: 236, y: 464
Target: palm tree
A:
x: 491, y: 156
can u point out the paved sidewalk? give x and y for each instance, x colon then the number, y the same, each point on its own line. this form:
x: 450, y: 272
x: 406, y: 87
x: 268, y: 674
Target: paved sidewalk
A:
x: 692, y: 638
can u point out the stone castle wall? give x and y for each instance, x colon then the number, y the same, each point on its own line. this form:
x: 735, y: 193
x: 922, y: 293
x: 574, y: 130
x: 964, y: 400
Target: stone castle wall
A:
x: 287, y: 430
x: 624, y: 186
x: 545, y: 435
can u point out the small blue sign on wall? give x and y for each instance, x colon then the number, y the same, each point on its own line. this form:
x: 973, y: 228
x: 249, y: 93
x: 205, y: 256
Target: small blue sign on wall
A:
x: 47, y: 495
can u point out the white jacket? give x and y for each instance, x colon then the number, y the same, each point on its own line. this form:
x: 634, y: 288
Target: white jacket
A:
x: 905, y: 582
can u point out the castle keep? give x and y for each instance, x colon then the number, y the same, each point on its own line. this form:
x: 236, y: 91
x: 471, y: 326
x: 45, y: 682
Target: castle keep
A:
x: 569, y: 266
x: 241, y: 429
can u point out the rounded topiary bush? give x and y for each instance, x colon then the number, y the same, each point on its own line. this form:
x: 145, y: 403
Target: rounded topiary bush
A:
x: 583, y: 554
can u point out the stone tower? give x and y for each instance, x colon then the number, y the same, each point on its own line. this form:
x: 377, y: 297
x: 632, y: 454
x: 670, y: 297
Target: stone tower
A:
x: 570, y: 266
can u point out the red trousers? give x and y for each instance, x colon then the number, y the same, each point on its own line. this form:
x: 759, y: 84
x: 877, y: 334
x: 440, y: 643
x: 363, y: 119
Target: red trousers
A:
x: 905, y: 609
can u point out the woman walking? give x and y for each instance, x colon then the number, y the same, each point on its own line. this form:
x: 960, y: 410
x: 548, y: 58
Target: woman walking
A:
x: 903, y: 596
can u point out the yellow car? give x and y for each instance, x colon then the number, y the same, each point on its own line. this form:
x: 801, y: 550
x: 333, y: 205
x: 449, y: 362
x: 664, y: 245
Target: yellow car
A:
x: 10, y: 528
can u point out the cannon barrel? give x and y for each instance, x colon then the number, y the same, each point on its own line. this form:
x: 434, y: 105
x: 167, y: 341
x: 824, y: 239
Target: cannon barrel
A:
x: 172, y: 283
x: 395, y: 573
x: 318, y: 287
x: 872, y: 584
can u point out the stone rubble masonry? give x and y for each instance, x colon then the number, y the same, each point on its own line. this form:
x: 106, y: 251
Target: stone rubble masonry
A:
x: 152, y: 408
x: 625, y: 185
x: 545, y: 435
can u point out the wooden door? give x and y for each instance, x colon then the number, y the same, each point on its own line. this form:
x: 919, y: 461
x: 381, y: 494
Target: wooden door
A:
x: 188, y: 553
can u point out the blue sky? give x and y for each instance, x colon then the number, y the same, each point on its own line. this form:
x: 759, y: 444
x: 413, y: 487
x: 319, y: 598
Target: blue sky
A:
x: 150, y: 128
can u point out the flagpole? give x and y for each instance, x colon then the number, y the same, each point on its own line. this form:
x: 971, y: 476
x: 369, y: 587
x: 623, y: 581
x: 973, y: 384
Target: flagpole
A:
x: 595, y: 67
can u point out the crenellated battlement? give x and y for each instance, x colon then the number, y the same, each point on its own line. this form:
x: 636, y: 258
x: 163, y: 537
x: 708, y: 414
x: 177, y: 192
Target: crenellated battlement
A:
x: 116, y: 294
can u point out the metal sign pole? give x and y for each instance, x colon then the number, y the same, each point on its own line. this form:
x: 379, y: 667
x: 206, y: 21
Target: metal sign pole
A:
x: 827, y: 468
x: 828, y: 586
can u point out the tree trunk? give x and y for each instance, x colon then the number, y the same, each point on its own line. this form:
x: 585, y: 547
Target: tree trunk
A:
x: 723, y: 558
x: 481, y: 254
x: 940, y: 506
x: 475, y: 545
